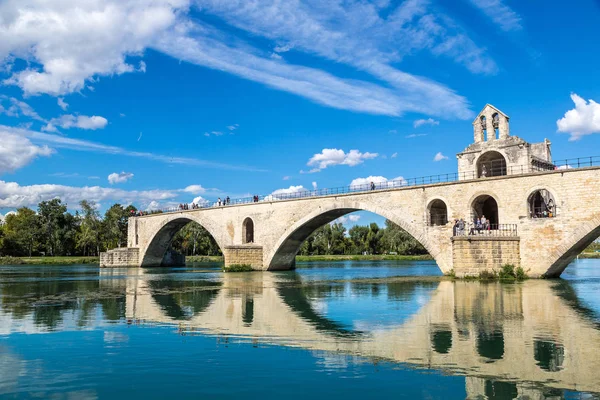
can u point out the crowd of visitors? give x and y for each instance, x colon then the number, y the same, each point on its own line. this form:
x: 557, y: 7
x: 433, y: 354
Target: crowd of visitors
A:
x: 478, y: 226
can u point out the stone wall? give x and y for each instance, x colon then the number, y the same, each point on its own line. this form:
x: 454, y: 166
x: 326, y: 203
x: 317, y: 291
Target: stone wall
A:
x: 472, y: 255
x: 121, y: 257
x: 246, y: 254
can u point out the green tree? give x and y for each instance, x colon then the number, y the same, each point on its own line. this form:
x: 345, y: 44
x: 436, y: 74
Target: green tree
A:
x: 52, y: 217
x: 396, y: 239
x: 22, y: 232
x: 114, y: 225
x: 89, y: 228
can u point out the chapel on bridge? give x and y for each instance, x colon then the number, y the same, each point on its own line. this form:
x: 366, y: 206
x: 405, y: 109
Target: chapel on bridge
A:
x: 495, y: 152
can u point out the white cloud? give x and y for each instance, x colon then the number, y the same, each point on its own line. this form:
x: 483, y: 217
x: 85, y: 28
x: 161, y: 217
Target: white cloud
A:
x: 62, y: 104
x: 380, y: 182
x: 13, y: 195
x: 17, y: 151
x: 74, y: 41
x: 439, y: 157
x: 59, y: 141
x: 331, y: 157
x: 18, y: 108
x: 414, y: 135
x: 153, y: 205
x: 290, y: 192
x: 394, y: 155
x: 583, y: 120
x: 54, y: 38
x: 233, y: 127
x: 501, y: 14
x: 314, y: 185
x: 195, y: 189
x: 286, y: 178
x: 76, y: 121
x: 119, y: 177
x: 353, y: 217
x: 200, y: 201
x: 428, y: 121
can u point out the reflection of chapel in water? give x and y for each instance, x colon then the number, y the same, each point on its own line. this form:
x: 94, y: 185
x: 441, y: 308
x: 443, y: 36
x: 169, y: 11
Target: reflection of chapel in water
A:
x: 496, y: 153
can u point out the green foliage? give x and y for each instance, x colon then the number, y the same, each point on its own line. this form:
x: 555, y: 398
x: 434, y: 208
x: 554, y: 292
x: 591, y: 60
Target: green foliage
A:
x: 451, y: 274
x: 8, y: 260
x: 238, y: 268
x: 193, y: 240
x: 332, y: 239
x: 508, y: 272
x: 487, y: 275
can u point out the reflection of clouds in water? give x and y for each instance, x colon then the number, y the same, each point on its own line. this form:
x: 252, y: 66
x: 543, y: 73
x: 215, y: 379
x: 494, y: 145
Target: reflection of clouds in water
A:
x: 11, y: 368
x: 319, y: 306
x: 115, y: 337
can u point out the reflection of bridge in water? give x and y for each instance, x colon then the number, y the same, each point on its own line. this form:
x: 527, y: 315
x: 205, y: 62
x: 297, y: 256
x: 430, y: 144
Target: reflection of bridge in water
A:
x: 524, y: 340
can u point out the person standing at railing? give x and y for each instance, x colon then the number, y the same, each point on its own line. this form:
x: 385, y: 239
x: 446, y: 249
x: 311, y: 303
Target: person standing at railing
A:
x: 461, y: 227
x: 483, y: 171
x: 372, y: 185
x: 219, y: 202
x: 227, y: 200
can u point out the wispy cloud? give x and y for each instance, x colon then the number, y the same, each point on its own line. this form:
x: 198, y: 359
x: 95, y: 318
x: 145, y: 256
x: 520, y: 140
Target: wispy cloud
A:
x: 58, y: 141
x: 501, y: 15
x: 415, y: 135
x: 428, y: 121
x: 119, y: 177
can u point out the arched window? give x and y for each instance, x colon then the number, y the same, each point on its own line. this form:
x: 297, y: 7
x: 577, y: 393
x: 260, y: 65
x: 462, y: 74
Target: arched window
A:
x: 496, y: 124
x: 438, y: 213
x: 541, y: 204
x: 483, y: 121
x: 491, y: 163
x: 248, y: 231
x: 485, y: 206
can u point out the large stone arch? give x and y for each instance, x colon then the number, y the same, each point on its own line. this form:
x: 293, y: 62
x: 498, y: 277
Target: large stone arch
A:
x: 159, y: 239
x: 572, y: 246
x: 283, y: 252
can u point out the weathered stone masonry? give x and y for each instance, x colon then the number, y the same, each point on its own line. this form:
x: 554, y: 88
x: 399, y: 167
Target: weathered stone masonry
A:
x: 545, y: 242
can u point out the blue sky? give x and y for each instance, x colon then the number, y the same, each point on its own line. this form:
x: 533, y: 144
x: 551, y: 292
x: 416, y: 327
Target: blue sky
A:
x: 162, y: 102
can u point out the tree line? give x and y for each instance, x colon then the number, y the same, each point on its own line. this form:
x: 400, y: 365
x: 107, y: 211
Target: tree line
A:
x: 51, y: 230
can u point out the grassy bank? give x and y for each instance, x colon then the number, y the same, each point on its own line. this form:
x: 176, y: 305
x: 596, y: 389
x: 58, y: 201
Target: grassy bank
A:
x: 47, y: 260
x: 197, y: 259
x: 589, y: 255
x: 376, y: 257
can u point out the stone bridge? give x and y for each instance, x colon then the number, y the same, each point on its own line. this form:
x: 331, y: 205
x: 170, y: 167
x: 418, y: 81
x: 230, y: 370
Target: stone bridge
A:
x: 532, y: 336
x: 268, y: 234
x: 541, y: 215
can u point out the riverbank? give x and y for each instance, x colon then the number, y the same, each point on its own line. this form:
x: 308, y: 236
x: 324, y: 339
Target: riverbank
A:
x: 66, y: 260
x: 218, y: 259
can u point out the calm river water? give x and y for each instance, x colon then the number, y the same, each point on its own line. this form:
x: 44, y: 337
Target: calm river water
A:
x: 327, y: 330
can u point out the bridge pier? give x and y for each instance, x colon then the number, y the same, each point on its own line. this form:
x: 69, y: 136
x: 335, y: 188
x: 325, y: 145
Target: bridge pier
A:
x: 245, y: 254
x: 472, y: 255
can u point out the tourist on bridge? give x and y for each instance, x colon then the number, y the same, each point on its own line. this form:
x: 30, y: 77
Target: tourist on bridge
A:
x: 372, y: 185
x: 483, y: 171
x: 219, y: 202
x: 227, y: 200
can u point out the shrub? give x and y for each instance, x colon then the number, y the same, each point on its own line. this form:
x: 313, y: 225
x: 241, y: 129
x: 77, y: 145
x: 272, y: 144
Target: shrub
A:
x: 487, y: 275
x: 238, y: 268
x: 510, y: 273
x: 520, y: 274
x: 451, y: 274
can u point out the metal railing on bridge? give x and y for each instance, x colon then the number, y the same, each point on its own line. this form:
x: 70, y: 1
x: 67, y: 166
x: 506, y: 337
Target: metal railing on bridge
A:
x: 573, y: 163
x: 481, y: 230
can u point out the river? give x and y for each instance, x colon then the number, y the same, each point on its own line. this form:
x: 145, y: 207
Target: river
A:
x: 327, y: 330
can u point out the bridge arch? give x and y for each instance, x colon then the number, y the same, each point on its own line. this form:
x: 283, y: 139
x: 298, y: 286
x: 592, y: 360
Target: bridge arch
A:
x: 283, y: 253
x: 161, y: 238
x: 583, y: 236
